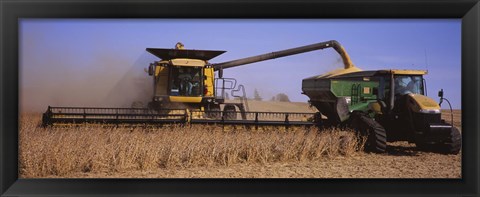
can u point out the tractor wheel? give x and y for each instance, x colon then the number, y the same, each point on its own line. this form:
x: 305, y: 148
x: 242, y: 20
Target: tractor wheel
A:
x: 376, y: 135
x: 229, y: 112
x: 214, y: 112
x: 452, y: 145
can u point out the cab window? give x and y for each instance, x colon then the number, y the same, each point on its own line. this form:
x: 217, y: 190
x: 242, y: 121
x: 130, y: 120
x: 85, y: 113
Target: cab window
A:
x: 405, y: 84
x: 186, y: 81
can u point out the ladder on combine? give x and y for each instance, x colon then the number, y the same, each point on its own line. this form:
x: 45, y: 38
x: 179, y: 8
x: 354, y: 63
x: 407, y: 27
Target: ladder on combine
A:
x: 144, y: 116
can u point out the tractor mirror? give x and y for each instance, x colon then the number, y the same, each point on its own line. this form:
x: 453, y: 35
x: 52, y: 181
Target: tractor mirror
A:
x: 440, y: 93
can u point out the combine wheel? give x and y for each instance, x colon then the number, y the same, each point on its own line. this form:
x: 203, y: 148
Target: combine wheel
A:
x: 214, y: 112
x: 377, y: 137
x: 229, y: 112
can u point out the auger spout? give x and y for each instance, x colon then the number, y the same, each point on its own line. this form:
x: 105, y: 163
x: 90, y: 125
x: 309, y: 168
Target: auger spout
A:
x: 293, y: 51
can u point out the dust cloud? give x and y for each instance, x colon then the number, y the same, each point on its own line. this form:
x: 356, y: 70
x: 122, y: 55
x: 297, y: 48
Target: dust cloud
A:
x: 109, y: 81
x: 59, y: 77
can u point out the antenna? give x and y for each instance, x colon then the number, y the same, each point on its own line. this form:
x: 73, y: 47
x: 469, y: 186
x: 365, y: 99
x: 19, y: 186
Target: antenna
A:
x: 426, y: 61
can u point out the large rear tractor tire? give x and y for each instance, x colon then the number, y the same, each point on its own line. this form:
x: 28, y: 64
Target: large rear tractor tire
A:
x: 229, y: 112
x: 376, y: 135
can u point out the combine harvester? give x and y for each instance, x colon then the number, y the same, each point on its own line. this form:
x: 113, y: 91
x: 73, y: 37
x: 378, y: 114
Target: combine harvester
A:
x: 377, y: 103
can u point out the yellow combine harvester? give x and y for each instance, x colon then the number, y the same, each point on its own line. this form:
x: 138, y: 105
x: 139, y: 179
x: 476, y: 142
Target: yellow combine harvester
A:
x: 185, y: 79
x: 187, y: 90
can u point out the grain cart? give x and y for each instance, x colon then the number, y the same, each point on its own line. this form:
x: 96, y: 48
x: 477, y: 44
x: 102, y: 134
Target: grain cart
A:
x: 386, y: 105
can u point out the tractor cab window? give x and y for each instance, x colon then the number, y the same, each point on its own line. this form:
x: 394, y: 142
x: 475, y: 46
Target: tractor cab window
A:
x: 405, y: 84
x: 384, y: 88
x: 186, y: 81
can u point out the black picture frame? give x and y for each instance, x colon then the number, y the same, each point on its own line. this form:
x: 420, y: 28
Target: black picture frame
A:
x: 11, y: 11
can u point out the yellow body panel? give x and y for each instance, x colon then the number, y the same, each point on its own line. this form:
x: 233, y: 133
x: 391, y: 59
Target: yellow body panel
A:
x: 161, y: 82
x: 209, y: 80
x: 187, y: 62
x: 409, y: 72
x: 418, y: 102
x: 406, y: 72
x: 186, y: 99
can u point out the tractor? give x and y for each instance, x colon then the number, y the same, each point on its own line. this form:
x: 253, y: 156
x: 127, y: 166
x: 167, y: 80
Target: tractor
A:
x: 386, y: 105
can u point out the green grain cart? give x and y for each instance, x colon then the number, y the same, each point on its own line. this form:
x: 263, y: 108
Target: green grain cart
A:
x: 385, y: 105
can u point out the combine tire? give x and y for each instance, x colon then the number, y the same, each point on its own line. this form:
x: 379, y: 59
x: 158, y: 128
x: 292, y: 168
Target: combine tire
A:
x: 452, y: 145
x: 229, y: 112
x: 376, y: 135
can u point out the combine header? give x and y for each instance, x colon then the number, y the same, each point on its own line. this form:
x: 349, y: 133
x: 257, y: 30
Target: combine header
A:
x: 145, y: 116
x: 385, y: 105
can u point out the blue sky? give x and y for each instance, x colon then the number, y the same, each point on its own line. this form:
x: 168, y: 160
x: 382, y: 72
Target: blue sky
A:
x: 85, y: 62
